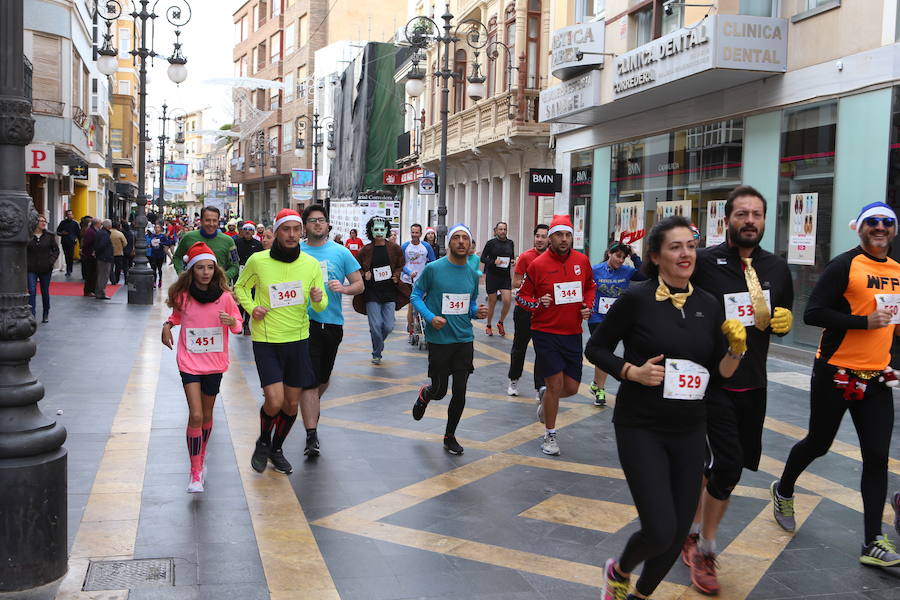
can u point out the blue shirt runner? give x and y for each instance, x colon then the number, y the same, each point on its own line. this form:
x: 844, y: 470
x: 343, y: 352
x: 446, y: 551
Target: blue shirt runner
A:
x: 339, y: 262
x: 437, y: 279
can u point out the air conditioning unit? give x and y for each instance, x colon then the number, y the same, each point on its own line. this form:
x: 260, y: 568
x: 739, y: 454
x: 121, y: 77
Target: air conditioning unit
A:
x: 66, y: 185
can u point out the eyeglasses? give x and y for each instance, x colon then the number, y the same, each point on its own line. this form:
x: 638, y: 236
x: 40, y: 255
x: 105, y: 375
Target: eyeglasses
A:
x: 316, y: 220
x: 875, y: 221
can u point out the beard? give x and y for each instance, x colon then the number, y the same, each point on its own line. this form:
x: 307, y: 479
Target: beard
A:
x: 736, y: 237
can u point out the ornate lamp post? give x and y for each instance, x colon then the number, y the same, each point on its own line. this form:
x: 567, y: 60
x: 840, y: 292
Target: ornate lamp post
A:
x: 33, y: 549
x: 423, y: 33
x: 140, y: 277
x: 262, y: 149
x: 301, y: 123
x: 179, y: 146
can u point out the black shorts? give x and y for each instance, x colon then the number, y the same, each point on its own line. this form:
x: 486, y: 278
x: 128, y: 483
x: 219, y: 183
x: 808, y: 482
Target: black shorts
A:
x: 557, y: 353
x: 444, y: 359
x: 734, y: 424
x: 593, y: 327
x: 324, y: 340
x: 493, y: 283
x: 286, y: 363
x: 209, y: 384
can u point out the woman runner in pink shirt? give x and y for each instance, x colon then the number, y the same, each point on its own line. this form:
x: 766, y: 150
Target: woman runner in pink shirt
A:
x: 203, y: 306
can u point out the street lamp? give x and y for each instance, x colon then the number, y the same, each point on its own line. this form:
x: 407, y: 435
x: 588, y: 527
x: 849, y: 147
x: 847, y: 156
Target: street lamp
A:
x: 178, y: 14
x: 179, y: 147
x: 262, y: 149
x: 421, y: 33
x: 300, y: 124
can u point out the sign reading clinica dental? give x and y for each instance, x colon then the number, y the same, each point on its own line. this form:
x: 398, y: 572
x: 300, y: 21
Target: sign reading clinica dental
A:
x: 586, y: 38
x: 717, y: 42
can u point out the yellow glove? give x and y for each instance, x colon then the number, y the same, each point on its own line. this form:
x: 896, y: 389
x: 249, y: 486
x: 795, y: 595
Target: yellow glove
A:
x: 782, y: 320
x: 736, y: 334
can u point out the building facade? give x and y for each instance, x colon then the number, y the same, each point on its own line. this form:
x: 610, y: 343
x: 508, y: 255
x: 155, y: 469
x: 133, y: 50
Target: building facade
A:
x: 658, y: 112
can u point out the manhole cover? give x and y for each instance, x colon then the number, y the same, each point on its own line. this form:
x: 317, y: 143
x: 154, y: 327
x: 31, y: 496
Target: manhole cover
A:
x: 129, y: 574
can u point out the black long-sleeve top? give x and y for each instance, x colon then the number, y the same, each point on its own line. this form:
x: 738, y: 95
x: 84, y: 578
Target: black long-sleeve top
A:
x: 648, y: 328
x: 496, y: 248
x: 720, y: 271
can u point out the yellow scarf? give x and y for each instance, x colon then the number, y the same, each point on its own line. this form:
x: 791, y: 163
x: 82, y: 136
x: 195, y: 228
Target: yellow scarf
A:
x: 678, y: 299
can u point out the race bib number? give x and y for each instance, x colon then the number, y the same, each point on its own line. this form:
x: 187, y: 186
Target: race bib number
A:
x: 890, y: 303
x: 455, y: 304
x: 155, y: 242
x: 205, y: 339
x: 738, y: 306
x: 604, y: 304
x: 503, y: 262
x: 568, y: 292
x: 353, y: 246
x: 685, y: 380
x: 286, y: 294
x: 323, y: 264
x: 381, y: 273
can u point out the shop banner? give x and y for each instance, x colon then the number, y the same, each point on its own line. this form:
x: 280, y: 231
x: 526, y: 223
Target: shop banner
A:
x: 802, y: 241
x: 715, y: 222
x: 302, y: 184
x: 176, y: 176
x: 673, y: 208
x: 629, y: 227
x: 544, y: 182
x: 578, y: 222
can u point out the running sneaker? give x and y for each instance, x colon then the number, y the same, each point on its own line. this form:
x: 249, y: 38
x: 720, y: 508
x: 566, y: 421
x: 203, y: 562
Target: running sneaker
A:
x: 312, y: 444
x: 783, y: 508
x: 451, y: 445
x: 196, y: 484
x: 895, y: 502
x: 488, y: 331
x: 501, y: 329
x: 614, y: 586
x: 376, y: 360
x: 703, y: 573
x: 689, y: 548
x: 279, y: 462
x: 880, y: 553
x: 599, y: 394
x: 260, y: 456
x: 540, y: 399
x: 513, y: 388
x: 550, y: 445
x: 418, y: 409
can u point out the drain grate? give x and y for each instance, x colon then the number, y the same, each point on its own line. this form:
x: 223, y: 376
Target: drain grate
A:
x: 129, y: 574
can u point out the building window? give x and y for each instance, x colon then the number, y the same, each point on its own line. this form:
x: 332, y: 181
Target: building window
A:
x: 533, y: 43
x: 47, y: 72
x: 589, y: 10
x: 287, y: 137
x: 275, y: 48
x: 811, y: 4
x: 758, y: 8
x: 642, y: 24
x: 303, y: 29
x: 237, y: 33
x: 261, y: 14
x: 261, y: 57
x: 245, y: 27
x: 289, y: 3
x: 459, y: 83
x: 290, y: 39
x: 673, y: 22
x: 490, y: 66
x: 244, y: 66
x: 288, y: 87
x: 274, y: 140
x: 255, y: 17
x: 276, y: 8
x: 76, y: 81
x: 124, y: 87
x: 509, y: 34
x: 124, y: 42
x: 275, y: 98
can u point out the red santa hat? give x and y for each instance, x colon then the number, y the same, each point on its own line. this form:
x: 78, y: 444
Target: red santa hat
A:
x: 199, y: 251
x: 249, y: 225
x: 561, y: 223
x: 287, y: 215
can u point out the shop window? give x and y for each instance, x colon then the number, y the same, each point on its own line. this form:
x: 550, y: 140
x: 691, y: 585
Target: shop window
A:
x: 893, y: 183
x: 580, y: 186
x: 806, y: 179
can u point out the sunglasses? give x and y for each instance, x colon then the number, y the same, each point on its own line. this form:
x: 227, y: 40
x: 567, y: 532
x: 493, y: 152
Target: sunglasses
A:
x: 875, y: 221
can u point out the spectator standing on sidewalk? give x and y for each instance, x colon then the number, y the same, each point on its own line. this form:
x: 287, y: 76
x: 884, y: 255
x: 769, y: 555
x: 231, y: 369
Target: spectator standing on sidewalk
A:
x: 43, y: 251
x: 88, y: 262
x: 128, y: 232
x: 119, y: 242
x: 103, y: 252
x: 68, y: 232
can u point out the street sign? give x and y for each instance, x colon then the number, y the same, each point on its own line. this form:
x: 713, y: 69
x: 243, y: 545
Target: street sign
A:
x: 428, y: 186
x: 40, y: 159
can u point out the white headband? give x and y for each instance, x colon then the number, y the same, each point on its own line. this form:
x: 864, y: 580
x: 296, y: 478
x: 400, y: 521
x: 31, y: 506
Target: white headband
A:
x: 286, y: 219
x: 881, y: 209
x: 556, y: 228
x: 459, y: 227
x: 249, y: 226
x: 190, y: 263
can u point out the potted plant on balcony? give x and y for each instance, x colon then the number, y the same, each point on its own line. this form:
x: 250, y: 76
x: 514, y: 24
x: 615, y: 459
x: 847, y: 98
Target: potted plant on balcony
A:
x: 421, y: 29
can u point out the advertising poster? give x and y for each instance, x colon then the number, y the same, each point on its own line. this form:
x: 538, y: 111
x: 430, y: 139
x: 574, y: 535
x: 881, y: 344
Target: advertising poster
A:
x: 578, y: 225
x: 629, y: 228
x: 302, y: 184
x: 715, y: 222
x: 673, y: 208
x: 346, y: 215
x: 802, y: 239
x: 176, y: 176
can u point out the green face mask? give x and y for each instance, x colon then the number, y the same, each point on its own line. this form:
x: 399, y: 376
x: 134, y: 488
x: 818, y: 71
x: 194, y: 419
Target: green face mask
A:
x: 379, y: 229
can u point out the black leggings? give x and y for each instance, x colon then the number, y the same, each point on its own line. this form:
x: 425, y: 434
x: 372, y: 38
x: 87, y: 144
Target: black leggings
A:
x: 521, y: 337
x: 438, y: 389
x: 157, y: 264
x: 664, y: 471
x: 873, y: 417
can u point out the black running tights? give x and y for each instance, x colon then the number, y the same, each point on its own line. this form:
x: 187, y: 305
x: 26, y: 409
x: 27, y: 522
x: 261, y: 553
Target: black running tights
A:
x: 664, y: 471
x: 438, y: 389
x: 873, y: 417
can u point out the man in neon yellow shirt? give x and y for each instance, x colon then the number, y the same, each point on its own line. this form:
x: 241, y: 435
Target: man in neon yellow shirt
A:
x: 286, y: 282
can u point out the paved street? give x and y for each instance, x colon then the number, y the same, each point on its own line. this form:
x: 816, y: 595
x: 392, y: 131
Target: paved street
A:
x: 385, y: 513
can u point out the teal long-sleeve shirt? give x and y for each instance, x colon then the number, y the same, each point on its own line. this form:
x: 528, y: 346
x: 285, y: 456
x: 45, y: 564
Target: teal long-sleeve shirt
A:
x: 439, y: 278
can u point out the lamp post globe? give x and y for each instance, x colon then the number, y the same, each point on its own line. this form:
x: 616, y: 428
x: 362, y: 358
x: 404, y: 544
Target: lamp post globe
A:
x: 107, y: 64
x: 414, y: 87
x: 331, y: 152
x: 177, y: 72
x: 299, y: 152
x: 475, y: 90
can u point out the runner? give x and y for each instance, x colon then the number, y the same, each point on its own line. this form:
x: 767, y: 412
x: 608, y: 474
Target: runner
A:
x: 202, y: 305
x: 445, y: 295
x: 286, y: 281
x: 660, y: 414
x: 731, y: 272
x: 558, y: 290
x: 612, y: 277
x: 431, y: 238
x: 522, y: 318
x: 209, y: 233
x: 416, y: 255
x: 246, y: 244
x: 851, y: 301
x: 354, y: 243
x: 326, y: 328
x: 382, y: 262
x: 498, y: 256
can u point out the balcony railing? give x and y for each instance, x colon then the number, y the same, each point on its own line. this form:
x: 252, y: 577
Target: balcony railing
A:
x: 503, y: 116
x: 48, y: 107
